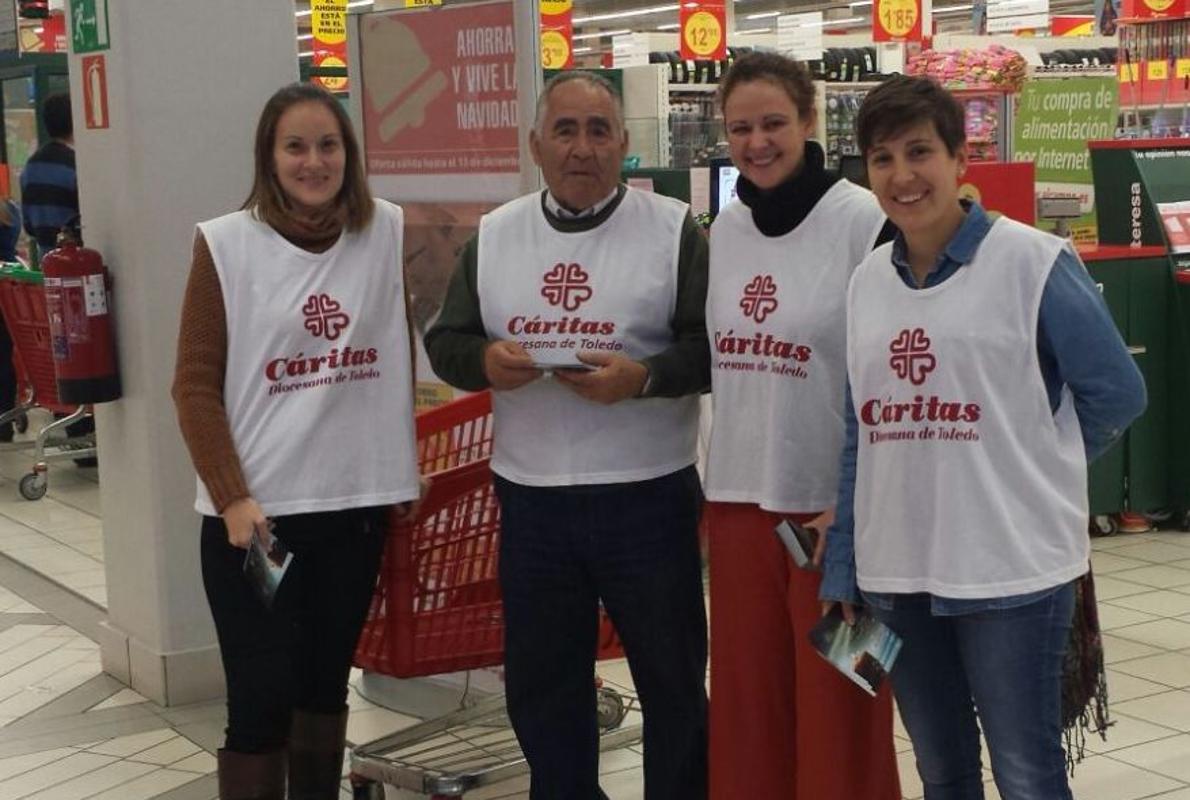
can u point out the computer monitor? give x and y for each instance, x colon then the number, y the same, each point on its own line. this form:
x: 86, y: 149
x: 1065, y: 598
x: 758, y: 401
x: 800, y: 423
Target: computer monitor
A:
x: 723, y: 178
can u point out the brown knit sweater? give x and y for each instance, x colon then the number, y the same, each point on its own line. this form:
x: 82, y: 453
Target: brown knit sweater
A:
x: 202, y: 361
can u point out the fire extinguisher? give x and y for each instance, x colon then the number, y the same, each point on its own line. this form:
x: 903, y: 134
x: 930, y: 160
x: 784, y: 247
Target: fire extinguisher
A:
x: 81, y: 334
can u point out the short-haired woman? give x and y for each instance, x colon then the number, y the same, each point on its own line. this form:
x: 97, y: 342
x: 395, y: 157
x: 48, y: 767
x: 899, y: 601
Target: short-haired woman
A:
x: 294, y: 393
x: 783, y: 723
x: 984, y: 373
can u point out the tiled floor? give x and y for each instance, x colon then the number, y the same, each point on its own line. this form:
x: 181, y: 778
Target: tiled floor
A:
x: 69, y: 732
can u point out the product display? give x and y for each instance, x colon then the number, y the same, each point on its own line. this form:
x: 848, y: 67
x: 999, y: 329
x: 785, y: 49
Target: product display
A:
x: 994, y: 65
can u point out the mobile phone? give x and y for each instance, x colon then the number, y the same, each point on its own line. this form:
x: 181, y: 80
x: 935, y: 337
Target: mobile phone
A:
x: 800, y: 541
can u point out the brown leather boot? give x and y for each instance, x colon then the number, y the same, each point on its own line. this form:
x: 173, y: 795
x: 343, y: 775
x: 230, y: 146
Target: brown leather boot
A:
x: 251, y: 776
x: 316, y: 755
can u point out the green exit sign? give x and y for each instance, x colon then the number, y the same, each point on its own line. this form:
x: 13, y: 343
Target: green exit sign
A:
x: 88, y: 26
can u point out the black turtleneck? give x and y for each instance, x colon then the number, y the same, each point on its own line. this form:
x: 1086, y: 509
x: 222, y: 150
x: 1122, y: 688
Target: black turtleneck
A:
x: 778, y: 211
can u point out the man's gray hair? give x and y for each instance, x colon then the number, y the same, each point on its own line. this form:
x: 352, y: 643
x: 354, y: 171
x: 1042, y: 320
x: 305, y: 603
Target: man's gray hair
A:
x: 592, y: 79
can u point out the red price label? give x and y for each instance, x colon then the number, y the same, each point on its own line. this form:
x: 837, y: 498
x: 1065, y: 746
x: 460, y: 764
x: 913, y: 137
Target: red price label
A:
x: 703, y: 34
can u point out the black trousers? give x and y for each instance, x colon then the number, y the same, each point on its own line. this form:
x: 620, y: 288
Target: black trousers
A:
x: 633, y: 547
x: 296, y: 655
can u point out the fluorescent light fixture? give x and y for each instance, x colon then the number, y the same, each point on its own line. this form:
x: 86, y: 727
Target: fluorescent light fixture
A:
x: 583, y: 49
x: 849, y: 21
x: 669, y: 26
x: 763, y: 15
x: 952, y: 9
x: 753, y: 30
x: 305, y: 37
x: 639, y: 12
x: 306, y: 54
x: 599, y: 34
x: 860, y: 3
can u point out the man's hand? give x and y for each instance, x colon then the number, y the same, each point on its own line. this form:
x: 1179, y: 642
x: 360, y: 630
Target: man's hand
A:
x: 848, y: 610
x: 242, y: 517
x: 617, y: 378
x: 820, y: 524
x: 507, y: 366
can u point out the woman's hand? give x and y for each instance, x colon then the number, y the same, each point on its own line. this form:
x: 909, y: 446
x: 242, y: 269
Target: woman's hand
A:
x: 821, y: 524
x: 407, y: 511
x: 242, y: 517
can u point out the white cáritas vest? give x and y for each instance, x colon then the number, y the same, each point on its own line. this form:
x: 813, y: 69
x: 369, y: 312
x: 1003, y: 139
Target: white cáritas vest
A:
x: 318, y: 387
x: 611, y: 289
x: 968, y: 485
x: 776, y: 319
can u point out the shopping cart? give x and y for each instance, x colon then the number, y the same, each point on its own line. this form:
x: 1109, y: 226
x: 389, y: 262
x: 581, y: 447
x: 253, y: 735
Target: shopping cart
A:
x: 22, y: 301
x: 437, y: 609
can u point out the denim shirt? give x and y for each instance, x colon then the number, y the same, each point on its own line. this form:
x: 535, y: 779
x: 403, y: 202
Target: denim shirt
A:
x: 1078, y: 345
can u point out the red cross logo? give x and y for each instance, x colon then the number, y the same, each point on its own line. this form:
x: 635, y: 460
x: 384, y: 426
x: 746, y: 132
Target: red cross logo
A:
x: 760, y: 298
x: 566, y: 285
x: 324, y: 316
x: 911, y: 357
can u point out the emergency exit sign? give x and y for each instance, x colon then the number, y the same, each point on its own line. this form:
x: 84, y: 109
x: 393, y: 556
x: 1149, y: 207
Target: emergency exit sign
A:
x: 88, y: 26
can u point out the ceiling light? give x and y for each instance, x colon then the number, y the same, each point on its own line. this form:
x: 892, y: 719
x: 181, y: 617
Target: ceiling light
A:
x: 640, y: 12
x: 753, y: 30
x: 599, y: 34
x: 952, y: 9
x: 763, y: 15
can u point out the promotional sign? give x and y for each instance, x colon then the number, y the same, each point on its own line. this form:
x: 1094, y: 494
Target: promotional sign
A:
x: 800, y: 35
x: 88, y: 26
x: 422, y: 3
x: 95, y: 92
x: 1154, y: 9
x: 1054, y: 121
x: 1003, y: 187
x: 328, y: 23
x: 900, y: 20
x: 1072, y: 25
x: 440, y: 92
x: 1006, y: 16
x: 630, y: 50
x: 703, y: 27
x: 557, y: 32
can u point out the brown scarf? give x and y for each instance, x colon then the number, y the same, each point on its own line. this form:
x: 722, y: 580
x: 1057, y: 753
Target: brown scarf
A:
x: 315, y: 232
x: 1084, y: 678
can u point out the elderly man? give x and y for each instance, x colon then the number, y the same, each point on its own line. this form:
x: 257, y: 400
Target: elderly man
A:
x: 582, y: 307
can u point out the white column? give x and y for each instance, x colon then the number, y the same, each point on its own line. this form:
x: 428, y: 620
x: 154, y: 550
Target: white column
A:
x: 186, y: 81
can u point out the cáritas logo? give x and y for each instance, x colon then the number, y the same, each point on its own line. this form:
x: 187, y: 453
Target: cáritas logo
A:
x: 760, y: 298
x: 911, y: 357
x: 324, y: 316
x: 566, y: 285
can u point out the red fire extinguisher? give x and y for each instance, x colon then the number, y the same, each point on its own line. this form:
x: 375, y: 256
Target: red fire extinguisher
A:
x: 81, y: 335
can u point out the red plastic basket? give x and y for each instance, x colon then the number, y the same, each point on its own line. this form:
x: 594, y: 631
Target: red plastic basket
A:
x: 23, y: 305
x: 437, y: 603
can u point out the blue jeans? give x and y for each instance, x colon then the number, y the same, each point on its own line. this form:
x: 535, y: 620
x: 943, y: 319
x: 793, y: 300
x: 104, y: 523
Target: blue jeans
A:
x: 633, y: 546
x: 1004, y: 667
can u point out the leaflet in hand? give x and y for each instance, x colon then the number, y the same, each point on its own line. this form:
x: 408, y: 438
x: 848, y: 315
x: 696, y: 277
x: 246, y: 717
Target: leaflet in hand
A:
x: 864, y: 652
x: 266, y: 566
x: 800, y: 541
x: 546, y: 366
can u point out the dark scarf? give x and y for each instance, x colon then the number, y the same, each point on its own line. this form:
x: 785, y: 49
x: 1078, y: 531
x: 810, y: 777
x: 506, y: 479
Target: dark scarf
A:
x: 779, y: 210
x: 313, y: 232
x: 1084, y: 676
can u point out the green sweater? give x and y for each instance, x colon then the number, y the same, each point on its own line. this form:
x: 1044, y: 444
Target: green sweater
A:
x: 456, y: 341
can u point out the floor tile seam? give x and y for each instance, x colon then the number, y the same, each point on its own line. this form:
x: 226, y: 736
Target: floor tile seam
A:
x: 61, y: 647
x: 1173, y: 734
x: 39, y: 766
x: 59, y: 782
x: 34, y: 711
x: 116, y: 786
x: 1182, y: 784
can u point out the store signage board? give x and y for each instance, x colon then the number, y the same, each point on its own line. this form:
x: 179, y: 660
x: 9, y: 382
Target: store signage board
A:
x: 439, y: 93
x: 328, y: 24
x: 88, y: 26
x: 557, y: 32
x: 630, y: 50
x: 800, y: 35
x: 95, y: 92
x: 1055, y: 118
x: 1006, y: 16
x: 900, y: 20
x: 703, y: 30
x: 422, y: 3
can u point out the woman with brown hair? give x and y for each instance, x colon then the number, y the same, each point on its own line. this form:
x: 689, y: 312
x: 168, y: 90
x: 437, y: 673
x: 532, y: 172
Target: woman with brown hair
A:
x: 294, y: 391
x: 783, y: 723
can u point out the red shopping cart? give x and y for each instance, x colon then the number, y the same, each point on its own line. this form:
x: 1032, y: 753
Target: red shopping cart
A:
x: 437, y: 609
x: 22, y: 301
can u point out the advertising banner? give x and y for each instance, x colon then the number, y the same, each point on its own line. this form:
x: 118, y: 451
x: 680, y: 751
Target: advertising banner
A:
x: 900, y: 20
x: 328, y: 23
x: 1072, y: 25
x: 704, y: 30
x: 440, y: 93
x: 1054, y: 121
x: 557, y: 32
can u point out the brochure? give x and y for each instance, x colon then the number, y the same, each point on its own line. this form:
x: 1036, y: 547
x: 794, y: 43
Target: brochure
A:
x: 864, y: 652
x: 800, y: 541
x: 546, y: 366
x: 265, y: 566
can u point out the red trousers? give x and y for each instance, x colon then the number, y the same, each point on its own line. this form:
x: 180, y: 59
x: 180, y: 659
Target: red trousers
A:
x: 784, y: 725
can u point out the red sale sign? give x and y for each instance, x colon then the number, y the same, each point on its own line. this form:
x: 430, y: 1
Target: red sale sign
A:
x: 704, y: 30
